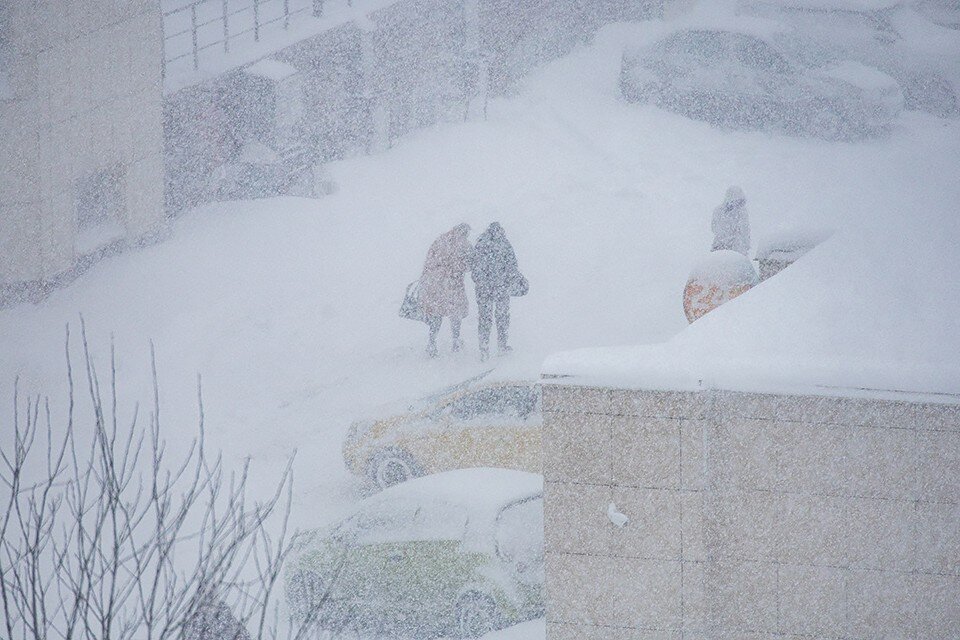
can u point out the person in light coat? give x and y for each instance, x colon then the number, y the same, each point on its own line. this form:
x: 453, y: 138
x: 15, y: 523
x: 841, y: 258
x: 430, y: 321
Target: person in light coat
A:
x: 731, y: 223
x: 443, y: 292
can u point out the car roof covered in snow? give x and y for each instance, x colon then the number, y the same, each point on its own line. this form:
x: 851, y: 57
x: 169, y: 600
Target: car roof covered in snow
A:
x: 461, y: 504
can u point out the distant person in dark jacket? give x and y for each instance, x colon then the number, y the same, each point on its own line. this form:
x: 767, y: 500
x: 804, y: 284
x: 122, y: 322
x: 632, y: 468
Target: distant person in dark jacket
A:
x: 496, y: 276
x: 731, y: 223
x: 442, y: 289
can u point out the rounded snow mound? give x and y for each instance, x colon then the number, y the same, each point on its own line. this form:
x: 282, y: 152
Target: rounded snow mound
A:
x: 725, y: 269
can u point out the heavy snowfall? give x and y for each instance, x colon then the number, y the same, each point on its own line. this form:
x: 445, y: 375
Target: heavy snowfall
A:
x: 397, y: 460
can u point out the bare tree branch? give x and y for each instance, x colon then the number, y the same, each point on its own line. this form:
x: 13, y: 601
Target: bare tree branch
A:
x: 102, y: 537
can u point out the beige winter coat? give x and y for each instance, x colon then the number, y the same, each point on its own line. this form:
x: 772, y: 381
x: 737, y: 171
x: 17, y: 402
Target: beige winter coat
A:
x: 442, y: 288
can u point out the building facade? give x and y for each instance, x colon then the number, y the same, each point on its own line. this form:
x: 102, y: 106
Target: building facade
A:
x: 81, y: 141
x: 750, y: 515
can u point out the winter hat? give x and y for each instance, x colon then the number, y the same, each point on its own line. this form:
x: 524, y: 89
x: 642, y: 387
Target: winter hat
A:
x: 734, y: 194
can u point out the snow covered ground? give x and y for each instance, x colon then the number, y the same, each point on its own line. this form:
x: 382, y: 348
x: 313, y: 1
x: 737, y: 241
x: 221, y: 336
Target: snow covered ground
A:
x: 288, y: 307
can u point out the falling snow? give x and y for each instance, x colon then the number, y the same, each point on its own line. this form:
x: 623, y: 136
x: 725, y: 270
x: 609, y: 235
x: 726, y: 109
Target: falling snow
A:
x: 479, y: 318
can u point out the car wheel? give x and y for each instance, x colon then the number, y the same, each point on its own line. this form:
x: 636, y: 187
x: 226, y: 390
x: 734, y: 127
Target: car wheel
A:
x: 391, y: 467
x: 476, y: 615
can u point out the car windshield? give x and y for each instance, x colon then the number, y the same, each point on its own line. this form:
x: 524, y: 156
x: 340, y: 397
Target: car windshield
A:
x: 520, y: 532
x: 703, y: 48
x: 844, y: 18
x: 433, y: 397
x: 758, y: 55
x: 439, y: 520
x: 514, y: 401
x: 381, y: 523
x: 406, y: 521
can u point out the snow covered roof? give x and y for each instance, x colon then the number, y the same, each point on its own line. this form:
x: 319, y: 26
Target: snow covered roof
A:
x: 873, y: 310
x: 476, y: 495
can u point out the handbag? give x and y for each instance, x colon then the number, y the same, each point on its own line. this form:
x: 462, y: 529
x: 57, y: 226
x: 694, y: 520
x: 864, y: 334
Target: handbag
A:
x: 518, y: 285
x: 410, y: 307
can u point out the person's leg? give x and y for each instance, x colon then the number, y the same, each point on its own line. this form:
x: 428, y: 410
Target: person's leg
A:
x: 503, y: 322
x: 455, y: 332
x: 434, y: 323
x: 485, y: 313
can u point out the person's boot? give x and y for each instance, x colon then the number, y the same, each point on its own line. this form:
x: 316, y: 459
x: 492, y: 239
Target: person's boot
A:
x: 504, y: 347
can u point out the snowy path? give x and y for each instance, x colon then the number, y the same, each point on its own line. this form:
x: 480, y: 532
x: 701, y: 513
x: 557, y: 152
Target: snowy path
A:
x: 288, y: 306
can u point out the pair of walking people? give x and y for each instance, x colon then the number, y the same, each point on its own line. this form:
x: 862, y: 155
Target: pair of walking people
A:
x: 492, y: 264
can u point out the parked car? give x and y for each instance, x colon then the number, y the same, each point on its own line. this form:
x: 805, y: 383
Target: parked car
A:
x: 476, y: 424
x: 823, y: 35
x: 945, y: 13
x: 741, y: 81
x: 458, y: 553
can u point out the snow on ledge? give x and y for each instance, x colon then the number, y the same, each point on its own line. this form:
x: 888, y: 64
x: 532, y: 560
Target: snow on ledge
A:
x: 871, y: 311
x: 663, y: 367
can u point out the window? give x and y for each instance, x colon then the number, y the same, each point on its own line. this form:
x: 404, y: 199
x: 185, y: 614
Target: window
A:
x: 520, y: 533
x: 760, y: 56
x: 476, y: 404
x: 405, y: 521
x: 702, y: 48
x: 519, y: 401
x: 384, y: 523
x: 441, y: 521
x: 523, y: 401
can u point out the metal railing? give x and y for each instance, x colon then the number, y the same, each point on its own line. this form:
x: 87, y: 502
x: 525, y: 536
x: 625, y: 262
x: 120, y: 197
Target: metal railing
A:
x: 190, y: 28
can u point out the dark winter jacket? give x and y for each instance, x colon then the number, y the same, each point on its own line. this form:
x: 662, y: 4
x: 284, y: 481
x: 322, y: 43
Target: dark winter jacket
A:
x: 494, y: 264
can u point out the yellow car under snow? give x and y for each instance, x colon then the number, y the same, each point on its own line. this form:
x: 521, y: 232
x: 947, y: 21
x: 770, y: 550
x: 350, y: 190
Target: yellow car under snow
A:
x: 476, y: 424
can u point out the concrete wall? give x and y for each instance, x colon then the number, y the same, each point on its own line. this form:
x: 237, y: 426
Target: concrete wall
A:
x: 86, y: 98
x: 751, y: 516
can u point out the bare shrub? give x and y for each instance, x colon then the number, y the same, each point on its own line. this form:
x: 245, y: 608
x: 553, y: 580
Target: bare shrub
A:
x: 103, y: 536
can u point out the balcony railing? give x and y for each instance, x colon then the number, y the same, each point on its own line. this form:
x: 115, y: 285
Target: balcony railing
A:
x: 192, y: 28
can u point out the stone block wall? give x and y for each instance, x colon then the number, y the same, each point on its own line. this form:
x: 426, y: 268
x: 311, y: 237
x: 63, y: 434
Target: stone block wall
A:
x: 751, y: 516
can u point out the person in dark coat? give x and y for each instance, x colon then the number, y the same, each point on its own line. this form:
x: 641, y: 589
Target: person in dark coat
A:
x: 494, y: 271
x: 442, y: 288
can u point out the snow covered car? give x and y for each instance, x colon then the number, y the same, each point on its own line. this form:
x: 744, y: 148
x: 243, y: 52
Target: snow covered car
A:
x: 492, y: 424
x: 893, y: 38
x: 458, y: 553
x: 740, y: 81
